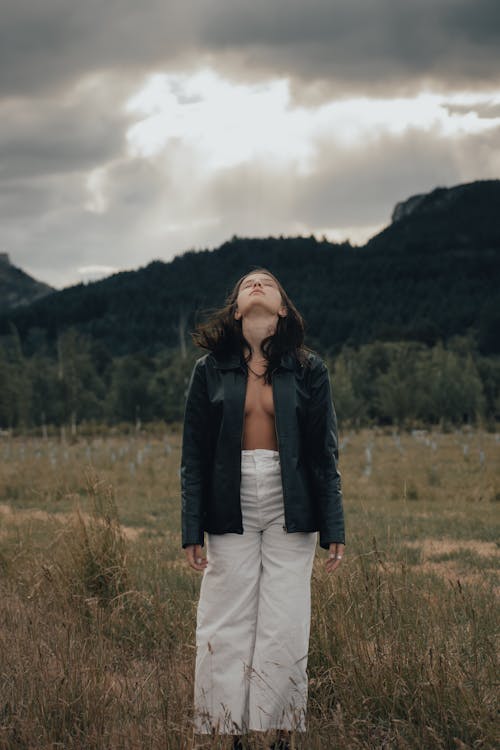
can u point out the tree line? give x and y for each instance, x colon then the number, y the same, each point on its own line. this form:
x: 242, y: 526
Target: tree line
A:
x: 403, y: 383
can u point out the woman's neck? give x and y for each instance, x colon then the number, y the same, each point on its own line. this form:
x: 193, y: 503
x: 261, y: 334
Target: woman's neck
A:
x: 255, y: 331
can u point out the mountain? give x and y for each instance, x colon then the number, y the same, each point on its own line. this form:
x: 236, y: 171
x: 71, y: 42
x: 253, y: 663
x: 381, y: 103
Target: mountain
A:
x: 17, y: 288
x: 466, y: 216
x: 431, y: 274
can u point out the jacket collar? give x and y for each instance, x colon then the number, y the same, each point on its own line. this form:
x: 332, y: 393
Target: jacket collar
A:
x: 234, y: 360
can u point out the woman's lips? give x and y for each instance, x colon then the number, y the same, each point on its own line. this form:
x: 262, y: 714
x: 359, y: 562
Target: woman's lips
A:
x: 255, y: 291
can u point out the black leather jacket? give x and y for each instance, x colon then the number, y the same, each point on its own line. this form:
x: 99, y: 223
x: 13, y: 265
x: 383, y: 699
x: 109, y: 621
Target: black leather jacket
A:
x: 306, y: 428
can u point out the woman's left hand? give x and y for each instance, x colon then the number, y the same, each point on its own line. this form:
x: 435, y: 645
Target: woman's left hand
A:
x: 335, y: 555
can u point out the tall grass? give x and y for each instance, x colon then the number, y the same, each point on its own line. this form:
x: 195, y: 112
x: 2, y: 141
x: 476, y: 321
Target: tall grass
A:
x: 97, y: 617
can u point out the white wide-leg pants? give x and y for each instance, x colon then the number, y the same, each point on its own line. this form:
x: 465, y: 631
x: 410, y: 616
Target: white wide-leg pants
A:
x: 254, y: 613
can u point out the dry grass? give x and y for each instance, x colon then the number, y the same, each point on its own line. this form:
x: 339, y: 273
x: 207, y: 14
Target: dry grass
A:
x: 98, y: 606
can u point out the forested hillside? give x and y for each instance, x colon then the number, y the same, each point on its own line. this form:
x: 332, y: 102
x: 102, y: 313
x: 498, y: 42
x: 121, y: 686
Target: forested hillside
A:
x: 423, y: 289
x: 17, y: 287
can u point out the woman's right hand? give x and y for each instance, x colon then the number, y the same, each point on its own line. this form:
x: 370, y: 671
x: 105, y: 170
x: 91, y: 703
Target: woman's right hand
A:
x: 194, y: 557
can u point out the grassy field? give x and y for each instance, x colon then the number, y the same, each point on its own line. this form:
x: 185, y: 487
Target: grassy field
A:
x: 98, y: 606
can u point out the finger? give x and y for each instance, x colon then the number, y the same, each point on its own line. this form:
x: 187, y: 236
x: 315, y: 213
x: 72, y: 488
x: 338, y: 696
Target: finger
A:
x: 192, y: 558
x: 333, y: 562
x: 336, y: 553
x: 336, y: 549
x: 196, y: 561
x: 196, y: 566
x: 332, y: 565
x: 199, y: 559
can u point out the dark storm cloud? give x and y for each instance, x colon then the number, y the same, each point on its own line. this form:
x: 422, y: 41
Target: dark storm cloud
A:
x: 47, y: 44
x: 484, y: 110
x: 51, y: 135
x: 324, y: 46
x: 22, y: 200
x: 359, y: 47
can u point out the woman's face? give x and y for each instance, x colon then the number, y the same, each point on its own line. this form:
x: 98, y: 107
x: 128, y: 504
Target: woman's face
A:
x: 259, y: 290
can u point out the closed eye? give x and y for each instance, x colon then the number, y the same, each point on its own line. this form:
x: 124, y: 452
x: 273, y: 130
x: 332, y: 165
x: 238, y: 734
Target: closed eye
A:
x: 265, y: 283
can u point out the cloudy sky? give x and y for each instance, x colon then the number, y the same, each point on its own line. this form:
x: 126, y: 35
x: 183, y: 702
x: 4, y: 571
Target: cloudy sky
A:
x: 133, y: 131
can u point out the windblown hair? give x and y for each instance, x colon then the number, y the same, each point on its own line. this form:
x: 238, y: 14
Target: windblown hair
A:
x: 222, y: 334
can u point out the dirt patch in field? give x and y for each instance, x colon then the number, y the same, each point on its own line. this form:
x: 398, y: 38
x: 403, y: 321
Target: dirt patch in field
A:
x: 457, y: 568
x: 472, y: 561
x: 446, y: 545
x: 13, y: 515
x: 7, y: 514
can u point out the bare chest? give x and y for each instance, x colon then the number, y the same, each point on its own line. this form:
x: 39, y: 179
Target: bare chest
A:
x: 259, y: 398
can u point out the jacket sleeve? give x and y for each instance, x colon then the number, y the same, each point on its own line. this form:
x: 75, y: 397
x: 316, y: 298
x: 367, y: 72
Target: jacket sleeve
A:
x: 194, y: 457
x: 322, y: 442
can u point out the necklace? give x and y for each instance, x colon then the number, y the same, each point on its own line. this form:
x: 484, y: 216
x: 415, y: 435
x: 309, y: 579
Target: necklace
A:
x: 257, y: 374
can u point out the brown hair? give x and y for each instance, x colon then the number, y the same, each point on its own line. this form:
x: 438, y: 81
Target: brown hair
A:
x: 221, y: 333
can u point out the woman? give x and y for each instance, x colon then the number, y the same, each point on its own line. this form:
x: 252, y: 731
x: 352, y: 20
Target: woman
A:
x: 259, y: 476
